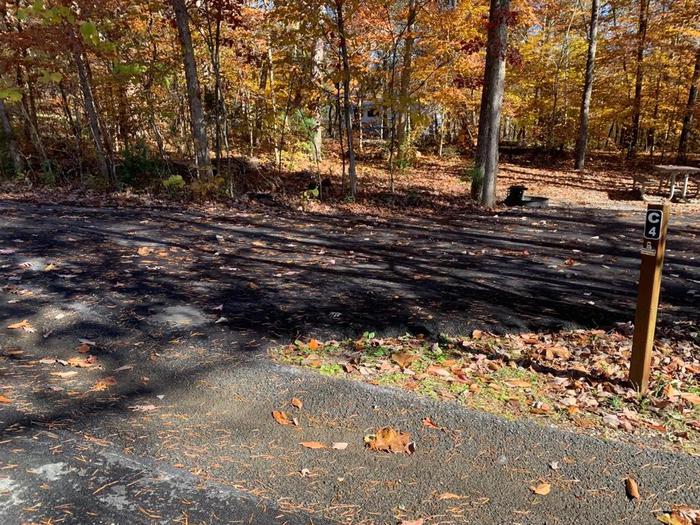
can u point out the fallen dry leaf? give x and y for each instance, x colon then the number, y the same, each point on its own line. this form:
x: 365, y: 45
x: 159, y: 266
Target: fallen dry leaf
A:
x: 143, y: 251
x: 143, y: 408
x: 297, y: 403
x: 419, y: 521
x: 632, y: 489
x: 84, y: 349
x: 22, y: 325
x: 448, y: 495
x: 313, y: 444
x: 64, y: 375
x: 390, y: 440
x: 281, y: 418
x: 477, y: 334
x: 103, y: 384
x: 313, y: 345
x: 557, y: 351
x: 680, y: 515
x: 541, y: 488
x: 530, y: 339
x: 4, y: 399
x: 339, y: 446
x: 404, y: 359
x: 83, y: 362
x: 427, y: 422
x: 693, y: 399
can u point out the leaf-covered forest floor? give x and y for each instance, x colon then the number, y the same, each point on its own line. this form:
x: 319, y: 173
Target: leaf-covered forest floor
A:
x: 431, y: 185
x: 133, y: 340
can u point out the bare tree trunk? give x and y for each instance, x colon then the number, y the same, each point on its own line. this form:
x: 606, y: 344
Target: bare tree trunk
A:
x: 582, y: 142
x: 689, y: 110
x: 316, y: 64
x: 486, y: 164
x: 75, y: 128
x: 199, y: 135
x: 352, y: 173
x: 639, y: 79
x: 104, y: 159
x: 10, y: 140
x: 405, y: 82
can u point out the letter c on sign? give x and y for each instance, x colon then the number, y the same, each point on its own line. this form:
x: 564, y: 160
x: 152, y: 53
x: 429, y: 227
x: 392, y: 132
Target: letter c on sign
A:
x: 654, y: 217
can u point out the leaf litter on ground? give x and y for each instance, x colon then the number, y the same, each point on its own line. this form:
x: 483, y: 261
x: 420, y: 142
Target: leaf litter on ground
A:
x: 574, y: 378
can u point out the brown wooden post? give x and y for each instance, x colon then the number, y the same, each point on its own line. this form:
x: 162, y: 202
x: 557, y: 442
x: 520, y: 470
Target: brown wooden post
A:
x: 653, y: 248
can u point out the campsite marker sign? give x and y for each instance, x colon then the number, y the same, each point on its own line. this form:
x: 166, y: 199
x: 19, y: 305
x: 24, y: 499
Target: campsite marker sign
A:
x: 653, y: 248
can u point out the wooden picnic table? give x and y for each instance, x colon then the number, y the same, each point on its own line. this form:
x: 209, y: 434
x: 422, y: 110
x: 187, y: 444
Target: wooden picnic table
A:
x: 673, y: 172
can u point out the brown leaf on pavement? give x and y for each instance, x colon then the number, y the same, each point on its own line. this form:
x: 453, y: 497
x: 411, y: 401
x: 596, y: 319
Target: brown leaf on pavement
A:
x: 103, y: 384
x: 680, y: 515
x: 143, y: 251
x: 448, y: 495
x: 84, y: 349
x: 5, y: 400
x: 419, y: 521
x: 297, y: 403
x: 64, y: 375
x: 281, y: 418
x: 428, y: 422
x: 541, y: 488
x: 632, y: 489
x: 313, y: 444
x: 314, y: 345
x: 390, y: 440
x: 83, y: 362
x: 143, y: 408
x: 22, y: 325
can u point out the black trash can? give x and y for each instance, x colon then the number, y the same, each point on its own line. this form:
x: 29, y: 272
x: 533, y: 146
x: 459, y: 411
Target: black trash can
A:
x: 516, y: 196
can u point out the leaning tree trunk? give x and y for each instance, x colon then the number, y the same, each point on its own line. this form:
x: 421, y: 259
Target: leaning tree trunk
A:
x: 689, y: 110
x: 486, y: 165
x: 582, y: 142
x: 104, y: 160
x: 199, y: 135
x: 10, y: 140
x: 639, y: 78
x: 352, y: 173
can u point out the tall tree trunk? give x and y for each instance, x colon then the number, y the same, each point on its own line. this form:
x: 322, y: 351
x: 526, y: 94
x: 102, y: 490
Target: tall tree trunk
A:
x: 582, y: 142
x: 75, y: 128
x: 104, y: 159
x: 316, y: 64
x: 352, y: 173
x: 639, y: 79
x: 405, y: 82
x: 9, y: 139
x: 199, y: 134
x: 689, y: 110
x: 486, y: 165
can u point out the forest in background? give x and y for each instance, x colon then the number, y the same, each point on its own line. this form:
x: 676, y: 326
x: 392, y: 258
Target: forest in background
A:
x: 112, y: 94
